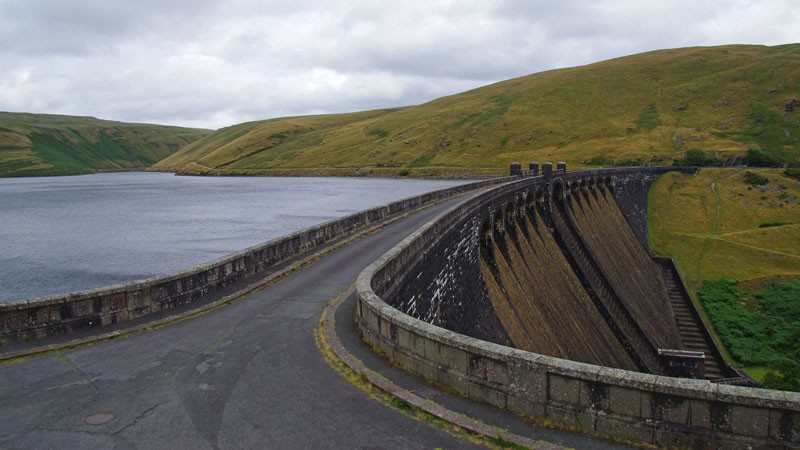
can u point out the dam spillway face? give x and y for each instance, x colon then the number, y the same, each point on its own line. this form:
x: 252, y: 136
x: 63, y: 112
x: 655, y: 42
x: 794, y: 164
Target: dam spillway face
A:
x: 540, y: 301
x: 560, y: 267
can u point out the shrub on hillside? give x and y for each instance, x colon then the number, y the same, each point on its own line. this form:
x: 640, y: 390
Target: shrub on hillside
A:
x: 698, y: 158
x: 765, y: 335
x: 758, y: 158
x: 755, y: 179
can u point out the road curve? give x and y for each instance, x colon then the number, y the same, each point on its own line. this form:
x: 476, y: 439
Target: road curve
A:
x: 246, y: 376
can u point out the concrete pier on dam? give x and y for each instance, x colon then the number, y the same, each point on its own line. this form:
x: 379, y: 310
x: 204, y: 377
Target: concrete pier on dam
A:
x: 541, y: 297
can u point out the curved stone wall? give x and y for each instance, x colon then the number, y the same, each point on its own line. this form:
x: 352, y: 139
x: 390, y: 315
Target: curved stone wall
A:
x: 662, y: 410
x: 57, y: 315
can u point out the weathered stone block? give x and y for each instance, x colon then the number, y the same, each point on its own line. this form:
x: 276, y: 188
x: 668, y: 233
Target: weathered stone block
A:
x: 419, y: 345
x: 136, y: 300
x: 431, y: 350
x: 476, y: 366
x: 497, y: 372
x: 784, y: 425
x: 593, y: 396
x: 454, y: 358
x: 560, y: 414
x: 524, y: 406
x: 749, y: 421
x: 586, y: 420
x: 50, y: 314
x: 385, y: 329
x: 16, y: 320
x: 453, y: 380
x: 670, y: 408
x: 701, y: 413
x: 721, y: 416
x: 629, y: 429
x: 426, y: 369
x: 623, y: 401
x: 159, y: 293
x: 564, y: 390
x: 80, y: 308
x: 488, y: 395
x: 528, y: 383
x: 404, y: 339
x: 114, y: 303
x: 371, y: 320
x: 405, y: 360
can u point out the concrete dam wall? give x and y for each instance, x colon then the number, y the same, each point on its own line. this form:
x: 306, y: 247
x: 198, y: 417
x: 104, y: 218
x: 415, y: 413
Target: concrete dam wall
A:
x: 540, y: 296
x: 556, y: 268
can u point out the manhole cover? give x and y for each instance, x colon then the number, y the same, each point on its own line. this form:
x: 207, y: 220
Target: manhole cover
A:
x: 99, y: 419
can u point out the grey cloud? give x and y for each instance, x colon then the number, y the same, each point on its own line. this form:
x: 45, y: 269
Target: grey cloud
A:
x: 212, y: 63
x: 86, y: 27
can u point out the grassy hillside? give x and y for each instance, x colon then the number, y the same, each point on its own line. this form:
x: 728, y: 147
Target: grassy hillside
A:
x: 734, y: 234
x: 650, y: 107
x: 40, y: 144
x: 739, y: 224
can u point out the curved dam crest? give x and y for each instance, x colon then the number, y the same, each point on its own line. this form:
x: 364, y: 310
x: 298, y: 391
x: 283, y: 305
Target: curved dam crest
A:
x: 540, y: 296
x: 558, y: 270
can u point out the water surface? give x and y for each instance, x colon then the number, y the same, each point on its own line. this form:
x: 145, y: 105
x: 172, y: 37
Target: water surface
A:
x: 64, y: 234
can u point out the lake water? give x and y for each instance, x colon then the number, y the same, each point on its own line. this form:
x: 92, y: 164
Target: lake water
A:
x: 64, y: 234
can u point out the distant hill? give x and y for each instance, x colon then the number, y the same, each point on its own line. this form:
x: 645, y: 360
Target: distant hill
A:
x: 646, y: 108
x: 42, y: 144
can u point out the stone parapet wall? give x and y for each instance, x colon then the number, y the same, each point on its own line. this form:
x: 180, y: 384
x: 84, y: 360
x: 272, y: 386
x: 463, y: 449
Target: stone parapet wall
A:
x: 664, y: 411
x: 51, y: 316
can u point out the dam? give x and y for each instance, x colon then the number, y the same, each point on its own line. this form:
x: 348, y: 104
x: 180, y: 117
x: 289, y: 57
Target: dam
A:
x: 556, y: 268
x: 541, y: 297
x: 534, y: 293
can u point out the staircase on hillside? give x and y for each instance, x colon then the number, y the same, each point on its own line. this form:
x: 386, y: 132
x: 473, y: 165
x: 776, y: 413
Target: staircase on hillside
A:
x: 690, y: 328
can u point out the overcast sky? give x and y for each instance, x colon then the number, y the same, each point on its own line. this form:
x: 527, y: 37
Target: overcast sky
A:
x: 209, y: 63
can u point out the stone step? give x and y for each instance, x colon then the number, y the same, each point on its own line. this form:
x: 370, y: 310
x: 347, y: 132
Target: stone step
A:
x: 695, y: 345
x: 693, y: 331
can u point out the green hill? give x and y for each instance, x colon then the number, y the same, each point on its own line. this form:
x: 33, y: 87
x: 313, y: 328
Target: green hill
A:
x: 734, y: 233
x: 41, y: 144
x: 646, y: 108
x: 740, y: 224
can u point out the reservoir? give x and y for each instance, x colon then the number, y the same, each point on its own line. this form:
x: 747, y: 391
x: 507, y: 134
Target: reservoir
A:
x: 65, y: 234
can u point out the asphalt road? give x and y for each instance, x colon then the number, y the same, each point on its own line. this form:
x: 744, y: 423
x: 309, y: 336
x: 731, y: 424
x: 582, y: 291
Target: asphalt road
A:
x: 246, y: 376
